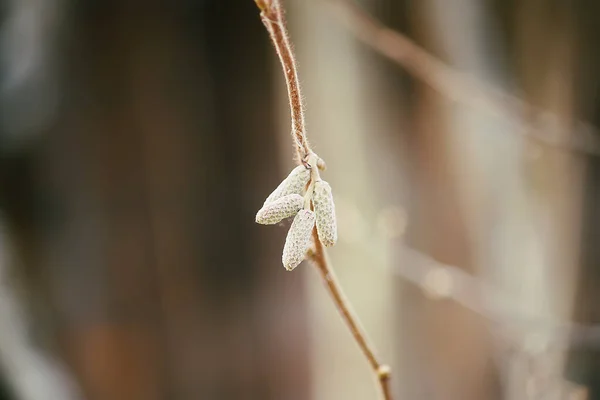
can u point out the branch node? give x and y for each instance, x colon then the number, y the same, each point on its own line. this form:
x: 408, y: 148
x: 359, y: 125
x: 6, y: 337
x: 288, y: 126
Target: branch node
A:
x: 384, y: 372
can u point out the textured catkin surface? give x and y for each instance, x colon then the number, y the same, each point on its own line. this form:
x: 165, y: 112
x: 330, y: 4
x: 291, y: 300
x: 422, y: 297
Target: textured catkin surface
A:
x: 284, y: 207
x: 298, y: 240
x: 325, y: 213
x: 294, y: 184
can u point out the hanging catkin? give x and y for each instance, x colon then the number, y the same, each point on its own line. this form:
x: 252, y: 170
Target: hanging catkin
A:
x: 298, y: 239
x: 325, y: 213
x: 282, y: 208
x: 294, y: 184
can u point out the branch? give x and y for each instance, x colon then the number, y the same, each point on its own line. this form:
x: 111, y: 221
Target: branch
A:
x: 541, y: 125
x: 320, y: 260
x: 274, y: 21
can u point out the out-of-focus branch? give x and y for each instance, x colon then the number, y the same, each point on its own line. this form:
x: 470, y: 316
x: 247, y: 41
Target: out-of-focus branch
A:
x: 530, y: 121
x: 439, y: 280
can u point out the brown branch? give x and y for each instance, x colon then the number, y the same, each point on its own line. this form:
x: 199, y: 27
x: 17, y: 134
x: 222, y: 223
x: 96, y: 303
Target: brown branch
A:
x: 540, y: 125
x: 274, y: 20
x: 321, y: 261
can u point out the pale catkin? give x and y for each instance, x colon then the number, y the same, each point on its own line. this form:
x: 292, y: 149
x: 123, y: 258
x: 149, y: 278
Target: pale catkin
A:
x: 294, y: 183
x: 298, y: 239
x: 325, y: 213
x: 282, y: 208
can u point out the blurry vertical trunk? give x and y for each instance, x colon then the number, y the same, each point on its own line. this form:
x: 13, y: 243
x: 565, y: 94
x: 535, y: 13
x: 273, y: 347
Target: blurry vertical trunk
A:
x: 448, y: 349
x: 546, y: 54
x: 583, y: 365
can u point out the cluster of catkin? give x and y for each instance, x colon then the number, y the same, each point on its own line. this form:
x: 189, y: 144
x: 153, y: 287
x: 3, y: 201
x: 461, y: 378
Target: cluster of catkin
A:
x: 304, y: 195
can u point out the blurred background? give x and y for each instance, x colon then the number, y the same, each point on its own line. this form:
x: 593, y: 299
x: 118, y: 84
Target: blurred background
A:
x: 138, y: 140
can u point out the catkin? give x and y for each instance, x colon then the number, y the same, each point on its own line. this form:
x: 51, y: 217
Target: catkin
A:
x: 294, y: 184
x: 298, y: 240
x: 325, y: 213
x: 282, y: 208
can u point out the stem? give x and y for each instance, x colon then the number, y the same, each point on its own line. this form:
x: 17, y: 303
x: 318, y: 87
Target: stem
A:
x: 321, y: 261
x: 274, y: 20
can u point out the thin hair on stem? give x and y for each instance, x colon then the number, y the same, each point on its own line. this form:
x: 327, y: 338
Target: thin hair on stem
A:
x: 273, y: 18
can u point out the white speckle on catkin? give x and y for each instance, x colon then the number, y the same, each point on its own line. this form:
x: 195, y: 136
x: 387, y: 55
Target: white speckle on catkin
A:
x: 282, y: 208
x: 325, y: 213
x: 294, y: 183
x: 298, y: 240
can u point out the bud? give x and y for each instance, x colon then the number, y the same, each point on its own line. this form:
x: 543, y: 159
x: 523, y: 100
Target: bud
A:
x: 294, y: 184
x: 298, y: 240
x: 325, y: 213
x: 282, y: 208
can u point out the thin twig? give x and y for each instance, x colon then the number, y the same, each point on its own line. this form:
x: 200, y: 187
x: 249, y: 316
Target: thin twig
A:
x: 321, y: 261
x: 533, y: 122
x: 274, y: 21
